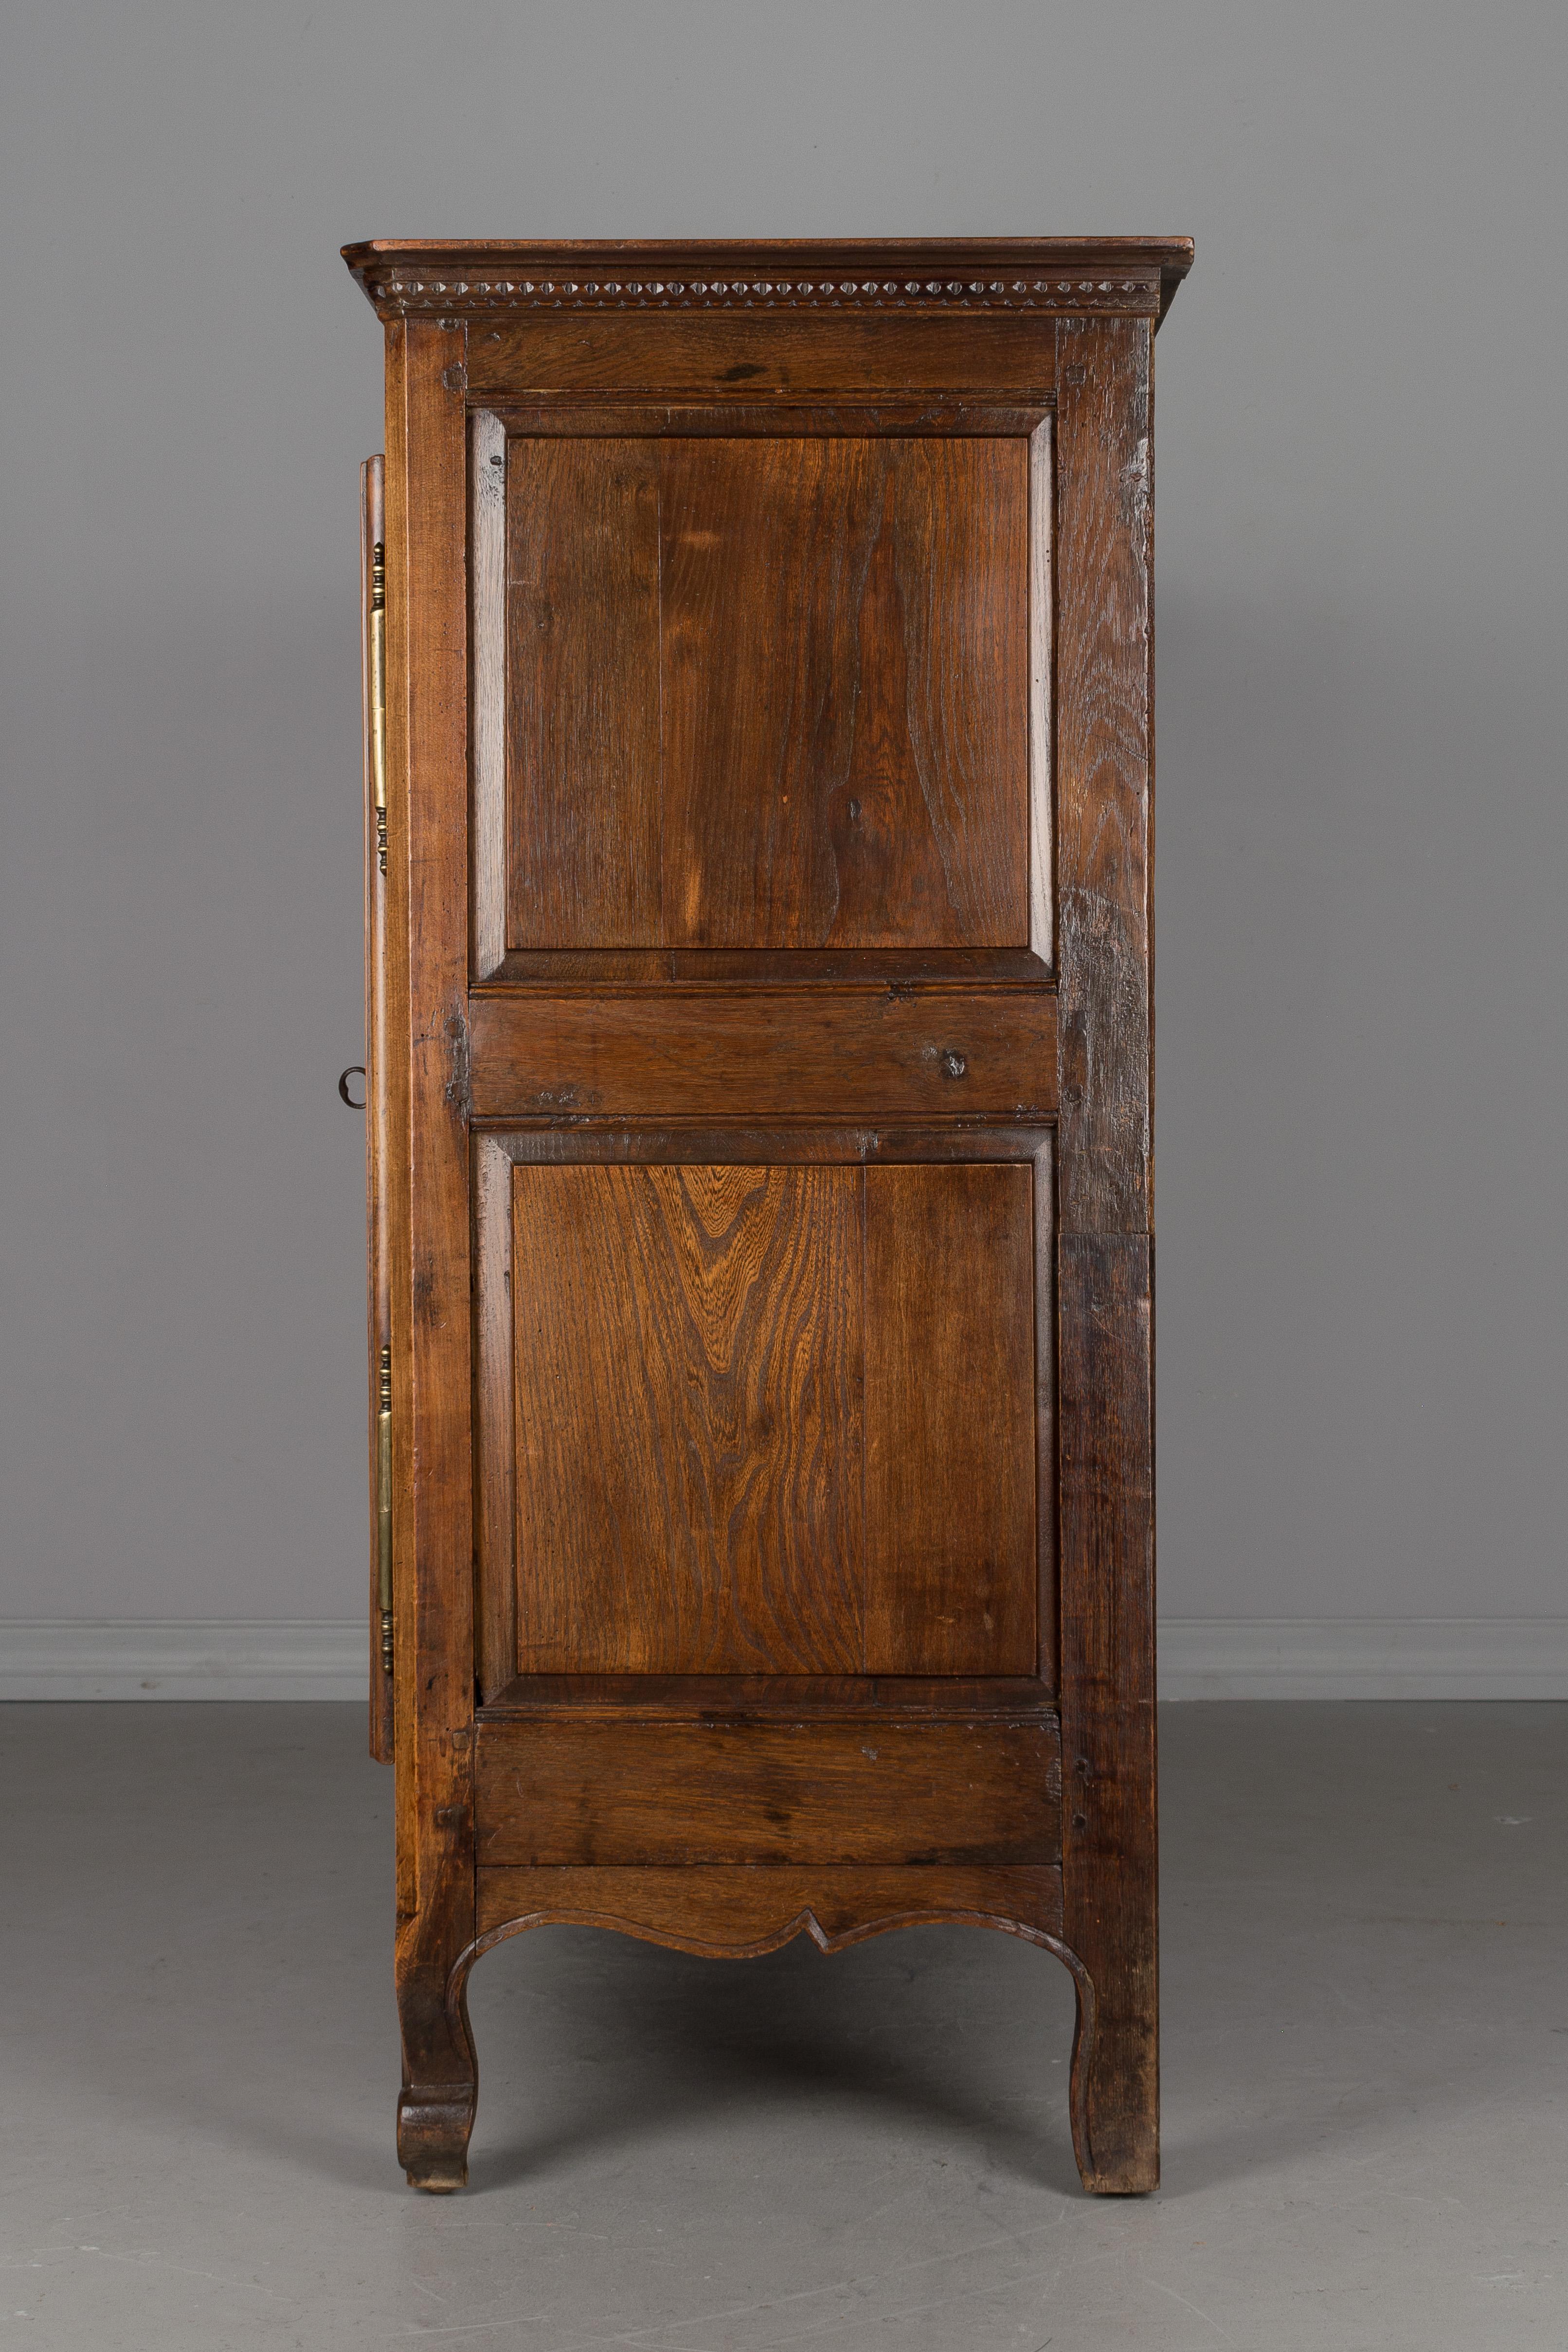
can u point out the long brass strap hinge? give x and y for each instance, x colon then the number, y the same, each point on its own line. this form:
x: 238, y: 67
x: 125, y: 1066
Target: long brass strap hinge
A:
x: 384, y: 1508
x: 379, y: 696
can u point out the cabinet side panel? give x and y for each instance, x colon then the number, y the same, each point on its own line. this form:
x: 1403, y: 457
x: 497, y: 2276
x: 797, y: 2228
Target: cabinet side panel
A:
x: 687, y: 1379
x: 951, y: 1573
x: 582, y: 667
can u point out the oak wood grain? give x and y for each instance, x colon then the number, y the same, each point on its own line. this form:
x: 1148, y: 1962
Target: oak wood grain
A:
x: 769, y: 692
x: 951, y: 1574
x: 428, y: 684
x: 844, y: 695
x: 877, y: 1054
x: 700, y: 1490
x: 746, y: 355
x: 924, y: 514
x: 1105, y: 1267
x: 689, y: 1358
x: 576, y: 1791
x: 582, y: 675
x: 848, y: 1698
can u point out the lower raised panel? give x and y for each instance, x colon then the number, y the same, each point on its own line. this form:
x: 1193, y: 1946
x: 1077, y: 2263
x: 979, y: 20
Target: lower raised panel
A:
x: 560, y: 1792
x: 740, y: 1912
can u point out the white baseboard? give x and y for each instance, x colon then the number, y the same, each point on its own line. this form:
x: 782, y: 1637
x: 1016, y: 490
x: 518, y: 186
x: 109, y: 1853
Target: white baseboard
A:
x: 1200, y: 1657
x: 1363, y: 1657
x: 196, y: 1658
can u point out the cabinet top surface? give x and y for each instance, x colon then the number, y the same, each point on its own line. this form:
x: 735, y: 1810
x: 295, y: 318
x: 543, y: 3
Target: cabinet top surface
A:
x: 1072, y: 273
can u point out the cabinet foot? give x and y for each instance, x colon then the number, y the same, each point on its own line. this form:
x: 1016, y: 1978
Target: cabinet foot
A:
x: 440, y: 2071
x: 433, y: 2122
x: 1115, y: 2096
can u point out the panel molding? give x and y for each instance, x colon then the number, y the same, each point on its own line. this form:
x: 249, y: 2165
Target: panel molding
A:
x: 498, y: 1150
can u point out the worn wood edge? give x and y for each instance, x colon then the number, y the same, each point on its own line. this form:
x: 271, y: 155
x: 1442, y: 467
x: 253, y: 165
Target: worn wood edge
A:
x: 780, y: 1700
x: 874, y: 415
x: 404, y: 1591
x: 568, y: 971
x: 428, y: 736
x: 1105, y: 1250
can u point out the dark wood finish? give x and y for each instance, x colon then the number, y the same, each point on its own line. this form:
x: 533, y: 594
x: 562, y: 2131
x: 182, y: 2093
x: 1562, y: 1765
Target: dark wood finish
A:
x: 584, y: 754
x: 951, y: 1584
x: 736, y: 1913
x: 741, y: 1447
x: 498, y: 1153
x: 760, y: 1790
x: 690, y: 1349
x: 775, y: 693
x: 428, y: 687
x: 845, y: 711
x: 762, y: 963
x: 1104, y: 507
x: 701, y: 1698
x: 745, y: 354
x: 882, y: 1053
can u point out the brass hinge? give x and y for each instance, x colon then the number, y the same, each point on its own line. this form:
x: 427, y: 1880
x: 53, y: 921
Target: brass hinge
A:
x: 379, y: 696
x: 384, y: 1508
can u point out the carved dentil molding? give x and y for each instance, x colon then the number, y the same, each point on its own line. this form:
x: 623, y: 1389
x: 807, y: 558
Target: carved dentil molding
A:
x: 1139, y: 294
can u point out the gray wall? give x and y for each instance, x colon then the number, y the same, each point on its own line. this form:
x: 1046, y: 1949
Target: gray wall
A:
x: 1361, y: 792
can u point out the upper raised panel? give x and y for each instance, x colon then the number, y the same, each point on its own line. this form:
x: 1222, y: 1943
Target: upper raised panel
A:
x: 767, y: 692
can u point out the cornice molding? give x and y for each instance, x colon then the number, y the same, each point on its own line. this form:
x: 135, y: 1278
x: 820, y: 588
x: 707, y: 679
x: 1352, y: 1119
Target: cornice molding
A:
x: 1067, y: 278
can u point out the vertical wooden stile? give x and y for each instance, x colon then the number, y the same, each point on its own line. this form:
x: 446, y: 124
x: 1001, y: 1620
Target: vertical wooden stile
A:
x: 428, y: 687
x: 1104, y: 1253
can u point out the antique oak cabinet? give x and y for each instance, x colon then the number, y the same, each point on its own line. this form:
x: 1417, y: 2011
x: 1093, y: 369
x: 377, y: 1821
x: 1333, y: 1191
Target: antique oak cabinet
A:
x: 757, y: 667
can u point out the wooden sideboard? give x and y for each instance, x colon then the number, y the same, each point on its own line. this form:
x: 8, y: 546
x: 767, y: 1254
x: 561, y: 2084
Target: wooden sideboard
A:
x: 758, y: 662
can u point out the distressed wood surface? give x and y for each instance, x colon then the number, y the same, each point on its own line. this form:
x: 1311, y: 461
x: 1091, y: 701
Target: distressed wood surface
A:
x: 1105, y: 1258
x: 740, y: 1912
x: 575, y: 1791
x: 688, y: 1397
x: 583, y: 671
x: 950, y: 1577
x: 877, y: 1054
x: 546, y: 969
x: 698, y: 1698
x: 772, y: 420
x: 902, y: 566
x: 769, y: 692
x: 843, y: 691
x: 428, y: 683
x: 745, y: 356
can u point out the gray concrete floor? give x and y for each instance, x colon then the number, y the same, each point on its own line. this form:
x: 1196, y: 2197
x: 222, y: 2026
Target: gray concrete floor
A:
x: 1366, y: 2051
